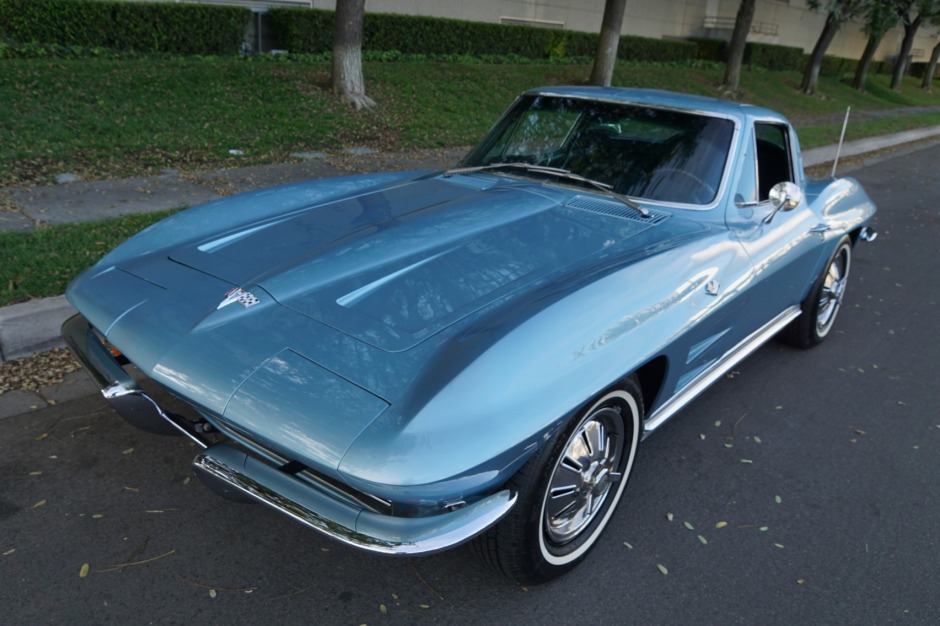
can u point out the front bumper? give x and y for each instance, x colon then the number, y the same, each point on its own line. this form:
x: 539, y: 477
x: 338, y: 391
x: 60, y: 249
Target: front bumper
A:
x: 227, y: 468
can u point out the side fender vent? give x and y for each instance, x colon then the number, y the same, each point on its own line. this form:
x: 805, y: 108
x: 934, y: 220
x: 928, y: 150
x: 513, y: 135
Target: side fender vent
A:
x: 616, y: 209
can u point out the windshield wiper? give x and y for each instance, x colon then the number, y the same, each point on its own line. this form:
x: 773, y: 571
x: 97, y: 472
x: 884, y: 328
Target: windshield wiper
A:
x: 491, y: 166
x: 559, y: 172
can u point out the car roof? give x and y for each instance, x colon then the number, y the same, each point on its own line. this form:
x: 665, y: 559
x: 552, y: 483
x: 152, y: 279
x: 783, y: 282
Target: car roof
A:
x: 662, y: 98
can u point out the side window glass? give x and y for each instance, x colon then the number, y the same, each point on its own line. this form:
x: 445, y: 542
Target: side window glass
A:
x: 747, y: 185
x: 773, y: 157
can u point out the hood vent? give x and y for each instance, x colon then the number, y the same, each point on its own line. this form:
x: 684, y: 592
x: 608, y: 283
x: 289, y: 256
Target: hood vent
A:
x: 616, y: 209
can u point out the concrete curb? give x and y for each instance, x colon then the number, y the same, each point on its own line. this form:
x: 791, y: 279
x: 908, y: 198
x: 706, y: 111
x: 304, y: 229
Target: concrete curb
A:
x: 826, y: 154
x: 32, y: 327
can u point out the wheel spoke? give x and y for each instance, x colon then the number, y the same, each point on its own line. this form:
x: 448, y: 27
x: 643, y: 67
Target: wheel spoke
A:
x: 563, y: 510
x: 590, y: 507
x: 571, y: 464
x: 587, y: 443
x: 565, y: 491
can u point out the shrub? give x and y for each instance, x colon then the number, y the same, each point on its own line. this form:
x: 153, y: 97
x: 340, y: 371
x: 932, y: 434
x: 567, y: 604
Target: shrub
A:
x: 142, y: 27
x: 662, y: 50
x: 311, y: 31
x: 709, y: 49
x: 773, y: 57
x: 764, y: 55
x: 305, y: 31
x: 834, y: 66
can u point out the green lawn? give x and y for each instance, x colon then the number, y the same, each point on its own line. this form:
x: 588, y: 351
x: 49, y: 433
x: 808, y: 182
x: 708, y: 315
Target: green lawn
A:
x: 119, y: 117
x: 42, y: 262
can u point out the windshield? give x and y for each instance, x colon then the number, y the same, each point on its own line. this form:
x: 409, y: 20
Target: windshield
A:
x: 640, y: 151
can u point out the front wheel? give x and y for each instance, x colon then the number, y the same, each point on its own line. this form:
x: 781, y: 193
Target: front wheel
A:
x: 821, y: 306
x: 568, y: 491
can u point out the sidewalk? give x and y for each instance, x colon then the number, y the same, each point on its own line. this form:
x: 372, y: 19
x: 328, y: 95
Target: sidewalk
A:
x: 31, y: 327
x: 26, y: 208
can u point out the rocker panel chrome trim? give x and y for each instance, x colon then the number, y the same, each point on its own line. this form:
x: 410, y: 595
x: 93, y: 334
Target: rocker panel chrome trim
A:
x: 731, y: 358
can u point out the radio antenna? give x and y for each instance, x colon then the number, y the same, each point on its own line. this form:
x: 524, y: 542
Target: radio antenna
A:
x: 845, y: 123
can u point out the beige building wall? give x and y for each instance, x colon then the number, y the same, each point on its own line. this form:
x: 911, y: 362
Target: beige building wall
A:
x: 782, y: 22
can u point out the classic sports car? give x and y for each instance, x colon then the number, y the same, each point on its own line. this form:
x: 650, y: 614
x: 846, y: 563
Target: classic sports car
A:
x: 411, y: 360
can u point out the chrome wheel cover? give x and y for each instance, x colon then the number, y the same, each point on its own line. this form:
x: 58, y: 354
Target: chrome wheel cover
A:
x: 584, y: 474
x: 833, y: 290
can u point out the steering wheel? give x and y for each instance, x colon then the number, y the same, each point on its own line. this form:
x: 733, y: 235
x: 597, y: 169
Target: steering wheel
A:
x: 702, y: 193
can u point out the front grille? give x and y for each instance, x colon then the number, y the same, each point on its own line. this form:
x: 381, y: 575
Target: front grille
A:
x: 300, y: 471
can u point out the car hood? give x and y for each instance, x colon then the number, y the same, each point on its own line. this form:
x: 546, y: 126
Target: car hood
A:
x: 360, y: 306
x: 394, y: 266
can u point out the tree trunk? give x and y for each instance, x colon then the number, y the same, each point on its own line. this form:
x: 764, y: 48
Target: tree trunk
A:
x: 900, y: 64
x: 811, y: 76
x: 606, y: 56
x: 347, y: 79
x: 931, y: 68
x: 742, y: 26
x: 864, y: 64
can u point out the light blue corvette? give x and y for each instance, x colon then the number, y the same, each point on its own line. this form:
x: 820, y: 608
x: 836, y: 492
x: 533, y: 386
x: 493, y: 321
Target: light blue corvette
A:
x: 408, y: 361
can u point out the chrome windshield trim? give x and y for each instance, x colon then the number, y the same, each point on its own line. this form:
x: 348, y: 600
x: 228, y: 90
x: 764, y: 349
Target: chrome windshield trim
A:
x: 731, y: 358
x: 731, y: 157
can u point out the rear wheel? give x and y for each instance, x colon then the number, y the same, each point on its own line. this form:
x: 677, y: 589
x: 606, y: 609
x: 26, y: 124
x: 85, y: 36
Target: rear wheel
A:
x: 821, y: 306
x: 568, y: 491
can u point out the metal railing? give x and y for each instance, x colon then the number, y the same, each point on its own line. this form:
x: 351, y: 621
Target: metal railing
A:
x: 251, y: 4
x: 727, y: 23
x: 525, y: 21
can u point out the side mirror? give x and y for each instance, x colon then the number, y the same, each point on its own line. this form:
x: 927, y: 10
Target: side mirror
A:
x: 784, y: 196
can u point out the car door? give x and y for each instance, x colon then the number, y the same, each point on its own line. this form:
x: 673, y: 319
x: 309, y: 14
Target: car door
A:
x: 783, y: 247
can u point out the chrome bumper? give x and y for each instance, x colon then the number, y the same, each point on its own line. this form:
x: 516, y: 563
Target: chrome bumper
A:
x: 227, y: 468
x: 118, y: 387
x: 352, y: 525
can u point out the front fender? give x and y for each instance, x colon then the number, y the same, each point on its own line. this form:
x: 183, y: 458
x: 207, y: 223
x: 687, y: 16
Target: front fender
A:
x: 489, y: 398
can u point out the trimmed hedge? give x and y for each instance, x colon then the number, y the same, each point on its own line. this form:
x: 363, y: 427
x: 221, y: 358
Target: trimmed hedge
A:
x: 841, y: 66
x: 311, y: 31
x: 918, y: 69
x: 708, y: 49
x: 773, y: 57
x: 140, y: 27
x: 646, y: 49
x: 834, y: 66
x: 765, y: 55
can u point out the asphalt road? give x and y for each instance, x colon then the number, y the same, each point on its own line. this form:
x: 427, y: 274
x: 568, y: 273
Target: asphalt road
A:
x: 822, y: 467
